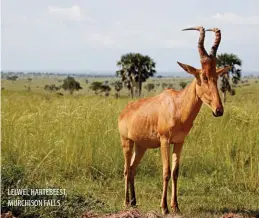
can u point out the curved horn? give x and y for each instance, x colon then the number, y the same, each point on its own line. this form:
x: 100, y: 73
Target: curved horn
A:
x: 201, y: 48
x: 216, y: 42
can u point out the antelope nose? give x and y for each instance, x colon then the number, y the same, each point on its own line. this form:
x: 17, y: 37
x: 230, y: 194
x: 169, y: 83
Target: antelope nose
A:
x: 219, y: 112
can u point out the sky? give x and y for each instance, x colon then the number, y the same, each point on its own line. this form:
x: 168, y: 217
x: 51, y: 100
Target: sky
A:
x: 87, y: 35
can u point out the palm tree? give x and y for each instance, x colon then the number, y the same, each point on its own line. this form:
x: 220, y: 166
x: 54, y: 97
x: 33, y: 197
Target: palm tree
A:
x: 135, y: 69
x: 232, y: 60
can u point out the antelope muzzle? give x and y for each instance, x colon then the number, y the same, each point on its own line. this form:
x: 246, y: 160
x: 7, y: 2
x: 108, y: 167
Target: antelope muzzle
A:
x: 218, y: 112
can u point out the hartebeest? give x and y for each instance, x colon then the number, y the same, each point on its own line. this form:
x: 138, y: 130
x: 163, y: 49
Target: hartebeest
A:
x: 167, y: 119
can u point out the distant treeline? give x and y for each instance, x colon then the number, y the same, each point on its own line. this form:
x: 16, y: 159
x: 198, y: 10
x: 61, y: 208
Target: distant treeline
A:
x: 4, y: 75
x: 46, y: 74
x: 78, y: 75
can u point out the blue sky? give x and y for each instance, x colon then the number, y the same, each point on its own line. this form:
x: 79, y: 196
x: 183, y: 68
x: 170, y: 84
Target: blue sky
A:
x: 66, y: 35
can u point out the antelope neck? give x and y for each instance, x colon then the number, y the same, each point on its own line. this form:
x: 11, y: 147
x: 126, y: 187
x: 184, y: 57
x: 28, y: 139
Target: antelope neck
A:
x: 189, y: 102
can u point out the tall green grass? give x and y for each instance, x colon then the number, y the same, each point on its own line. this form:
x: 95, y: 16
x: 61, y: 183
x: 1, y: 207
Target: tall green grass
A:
x: 73, y: 142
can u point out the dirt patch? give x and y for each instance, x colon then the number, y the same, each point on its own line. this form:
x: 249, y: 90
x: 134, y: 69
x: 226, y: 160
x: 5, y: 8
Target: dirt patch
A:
x: 137, y: 214
x: 127, y: 214
x: 121, y: 214
x: 7, y: 215
x: 234, y: 215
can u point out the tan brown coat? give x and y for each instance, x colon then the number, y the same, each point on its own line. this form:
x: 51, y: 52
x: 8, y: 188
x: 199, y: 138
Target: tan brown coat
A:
x: 167, y: 119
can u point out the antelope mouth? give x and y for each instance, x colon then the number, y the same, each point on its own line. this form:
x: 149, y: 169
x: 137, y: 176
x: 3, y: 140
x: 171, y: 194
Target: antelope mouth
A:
x: 217, y: 114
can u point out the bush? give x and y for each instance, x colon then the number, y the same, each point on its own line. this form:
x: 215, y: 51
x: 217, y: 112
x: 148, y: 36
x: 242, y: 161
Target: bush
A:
x: 150, y: 86
x: 51, y: 88
x: 99, y: 87
x: 183, y: 84
x: 95, y: 86
x: 164, y: 85
x: 72, y: 205
x: 71, y: 85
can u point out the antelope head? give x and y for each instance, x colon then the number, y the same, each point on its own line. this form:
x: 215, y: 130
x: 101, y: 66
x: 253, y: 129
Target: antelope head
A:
x: 207, y: 76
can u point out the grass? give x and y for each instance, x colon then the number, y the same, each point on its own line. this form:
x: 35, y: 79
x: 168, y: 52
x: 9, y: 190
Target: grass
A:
x: 72, y: 142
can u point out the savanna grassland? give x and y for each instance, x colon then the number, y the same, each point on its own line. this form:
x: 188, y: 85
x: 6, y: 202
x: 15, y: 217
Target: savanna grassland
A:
x: 72, y: 142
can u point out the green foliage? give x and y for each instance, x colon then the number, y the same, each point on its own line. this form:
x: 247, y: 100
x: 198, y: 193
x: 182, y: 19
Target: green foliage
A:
x: 106, y: 89
x: 71, y: 85
x: 12, y: 78
x: 167, y: 85
x: 14, y: 176
x: 51, y: 88
x: 232, y: 60
x: 183, y: 84
x: 99, y: 87
x: 150, y: 86
x: 164, y: 85
x: 95, y: 86
x: 226, y: 59
x: 170, y: 85
x: 11, y: 176
x: 135, y: 68
x: 118, y: 86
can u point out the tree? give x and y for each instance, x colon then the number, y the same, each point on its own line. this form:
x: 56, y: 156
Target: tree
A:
x: 71, y: 85
x: 118, y: 87
x: 183, y: 84
x: 164, y: 85
x: 105, y: 88
x: 171, y: 85
x: 135, y: 69
x: 233, y: 61
x: 98, y: 87
x: 51, y: 88
x: 12, y: 78
x: 150, y: 86
x: 95, y: 86
x: 29, y: 84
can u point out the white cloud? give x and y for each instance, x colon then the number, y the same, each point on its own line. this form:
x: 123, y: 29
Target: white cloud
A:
x: 74, y: 13
x: 235, y: 18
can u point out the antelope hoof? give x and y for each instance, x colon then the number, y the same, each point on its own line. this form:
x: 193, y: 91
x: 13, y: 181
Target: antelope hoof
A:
x: 176, y: 209
x: 126, y: 204
x: 133, y: 202
x: 165, y: 211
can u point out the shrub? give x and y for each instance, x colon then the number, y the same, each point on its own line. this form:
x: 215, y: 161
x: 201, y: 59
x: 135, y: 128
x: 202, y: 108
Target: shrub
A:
x: 71, y: 85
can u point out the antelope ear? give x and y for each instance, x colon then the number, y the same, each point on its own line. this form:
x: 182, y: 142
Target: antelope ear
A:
x: 189, y: 69
x: 221, y: 71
